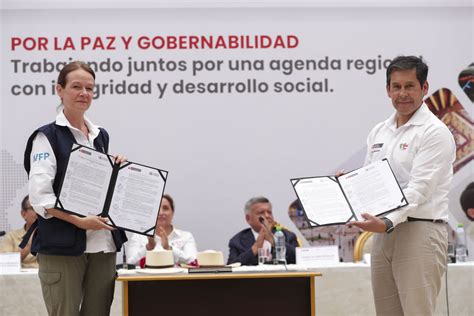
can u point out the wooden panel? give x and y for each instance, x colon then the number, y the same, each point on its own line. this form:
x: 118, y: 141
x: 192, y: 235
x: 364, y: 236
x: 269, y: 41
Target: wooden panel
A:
x: 241, y: 296
x: 312, y: 295
x: 125, y: 298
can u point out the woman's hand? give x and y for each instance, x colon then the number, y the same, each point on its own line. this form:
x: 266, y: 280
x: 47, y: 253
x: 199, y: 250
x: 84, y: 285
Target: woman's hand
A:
x: 151, y: 243
x: 164, y: 238
x: 93, y: 223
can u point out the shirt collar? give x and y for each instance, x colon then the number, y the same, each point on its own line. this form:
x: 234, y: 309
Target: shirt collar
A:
x: 174, y: 232
x: 418, y: 118
x: 255, y: 234
x: 63, y: 121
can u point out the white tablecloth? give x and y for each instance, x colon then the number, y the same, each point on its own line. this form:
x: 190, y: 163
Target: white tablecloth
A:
x: 344, y: 289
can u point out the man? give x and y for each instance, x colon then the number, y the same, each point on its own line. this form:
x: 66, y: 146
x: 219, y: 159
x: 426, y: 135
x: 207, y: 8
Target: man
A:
x: 467, y: 201
x: 410, y: 247
x: 13, y: 239
x: 243, y: 247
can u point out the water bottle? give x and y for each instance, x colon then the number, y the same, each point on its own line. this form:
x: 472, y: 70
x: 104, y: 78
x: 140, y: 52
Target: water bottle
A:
x: 461, y: 250
x: 280, y: 246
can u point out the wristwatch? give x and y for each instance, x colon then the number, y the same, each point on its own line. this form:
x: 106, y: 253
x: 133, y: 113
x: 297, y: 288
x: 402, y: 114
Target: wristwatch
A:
x: 389, y: 225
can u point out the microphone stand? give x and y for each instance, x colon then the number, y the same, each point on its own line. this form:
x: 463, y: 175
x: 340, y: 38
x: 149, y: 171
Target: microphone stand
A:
x: 124, y: 259
x: 124, y: 264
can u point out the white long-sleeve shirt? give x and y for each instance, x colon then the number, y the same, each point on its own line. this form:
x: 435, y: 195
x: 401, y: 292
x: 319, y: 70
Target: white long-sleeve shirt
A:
x: 182, y: 243
x: 421, y: 154
x: 41, y: 179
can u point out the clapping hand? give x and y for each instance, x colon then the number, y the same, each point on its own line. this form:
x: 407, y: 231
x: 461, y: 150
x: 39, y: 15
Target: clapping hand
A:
x: 267, y: 230
x: 164, y: 238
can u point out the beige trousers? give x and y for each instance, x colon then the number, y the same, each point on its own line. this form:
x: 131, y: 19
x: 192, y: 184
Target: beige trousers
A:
x: 78, y: 285
x: 407, y: 266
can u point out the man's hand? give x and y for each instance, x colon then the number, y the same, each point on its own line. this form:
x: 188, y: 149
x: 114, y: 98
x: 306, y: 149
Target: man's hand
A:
x: 268, y: 230
x: 93, y: 223
x: 371, y: 224
x: 120, y: 158
x: 164, y: 238
x: 340, y: 173
x: 259, y: 242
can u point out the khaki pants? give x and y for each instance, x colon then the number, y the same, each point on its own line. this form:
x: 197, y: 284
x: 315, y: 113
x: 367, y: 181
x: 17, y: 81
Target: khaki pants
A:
x: 78, y: 285
x: 407, y: 266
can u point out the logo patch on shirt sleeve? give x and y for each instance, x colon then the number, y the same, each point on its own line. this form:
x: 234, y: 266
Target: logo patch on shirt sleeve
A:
x: 40, y: 156
x: 403, y: 146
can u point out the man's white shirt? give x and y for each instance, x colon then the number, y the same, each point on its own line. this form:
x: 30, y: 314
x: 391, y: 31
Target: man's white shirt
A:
x: 266, y: 243
x: 421, y: 154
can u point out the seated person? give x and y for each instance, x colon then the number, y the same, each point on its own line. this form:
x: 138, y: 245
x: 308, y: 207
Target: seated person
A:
x: 166, y: 237
x: 243, y: 247
x: 467, y: 201
x: 13, y: 239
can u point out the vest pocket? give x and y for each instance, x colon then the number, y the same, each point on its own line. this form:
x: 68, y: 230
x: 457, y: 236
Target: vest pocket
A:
x: 54, y: 232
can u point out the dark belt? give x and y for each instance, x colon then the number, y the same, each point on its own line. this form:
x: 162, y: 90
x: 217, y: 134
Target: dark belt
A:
x: 414, y: 219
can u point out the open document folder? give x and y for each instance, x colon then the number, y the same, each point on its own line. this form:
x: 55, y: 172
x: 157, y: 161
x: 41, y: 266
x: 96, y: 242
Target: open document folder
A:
x: 330, y: 200
x: 129, y: 194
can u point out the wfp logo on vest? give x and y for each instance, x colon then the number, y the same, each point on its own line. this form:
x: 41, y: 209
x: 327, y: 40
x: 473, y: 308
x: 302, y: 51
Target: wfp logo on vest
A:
x: 40, y: 156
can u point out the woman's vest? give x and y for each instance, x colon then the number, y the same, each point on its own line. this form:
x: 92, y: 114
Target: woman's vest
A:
x: 55, y: 236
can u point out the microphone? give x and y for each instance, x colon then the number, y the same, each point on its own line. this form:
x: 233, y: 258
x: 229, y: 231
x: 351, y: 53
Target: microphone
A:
x: 262, y: 221
x: 124, y: 265
x: 124, y: 258
x: 2, y: 233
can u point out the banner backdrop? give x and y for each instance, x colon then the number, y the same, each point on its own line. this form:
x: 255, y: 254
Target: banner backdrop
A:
x: 233, y: 102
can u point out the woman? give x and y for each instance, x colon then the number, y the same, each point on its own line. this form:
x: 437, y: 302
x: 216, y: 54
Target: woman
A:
x: 166, y: 237
x: 76, y: 255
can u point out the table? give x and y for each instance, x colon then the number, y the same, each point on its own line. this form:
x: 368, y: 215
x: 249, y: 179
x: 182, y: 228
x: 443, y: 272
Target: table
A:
x: 344, y: 289
x: 288, y: 293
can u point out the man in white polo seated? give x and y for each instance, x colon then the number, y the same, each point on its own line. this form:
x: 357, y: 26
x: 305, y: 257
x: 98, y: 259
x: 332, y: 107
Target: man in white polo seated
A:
x: 11, y: 240
x: 243, y: 247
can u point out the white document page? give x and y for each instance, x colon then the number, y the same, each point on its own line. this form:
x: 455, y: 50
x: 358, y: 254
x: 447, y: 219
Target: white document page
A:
x: 137, y: 197
x: 86, y: 181
x: 372, y: 189
x: 322, y: 200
